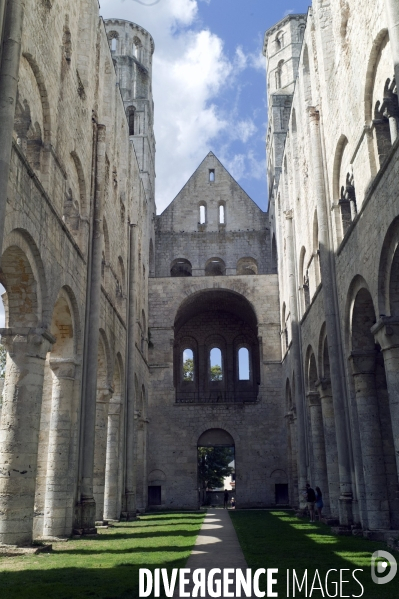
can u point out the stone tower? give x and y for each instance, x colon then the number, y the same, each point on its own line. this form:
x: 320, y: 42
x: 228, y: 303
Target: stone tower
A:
x: 282, y: 49
x: 132, y: 48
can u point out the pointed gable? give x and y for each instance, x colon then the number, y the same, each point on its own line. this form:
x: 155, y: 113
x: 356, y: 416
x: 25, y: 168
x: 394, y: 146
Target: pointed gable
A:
x: 211, y: 186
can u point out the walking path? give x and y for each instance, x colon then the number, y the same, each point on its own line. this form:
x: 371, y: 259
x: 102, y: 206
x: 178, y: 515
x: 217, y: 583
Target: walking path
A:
x: 217, y: 546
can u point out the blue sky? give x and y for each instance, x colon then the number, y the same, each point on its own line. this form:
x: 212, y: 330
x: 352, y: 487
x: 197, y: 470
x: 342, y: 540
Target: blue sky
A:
x: 209, y: 85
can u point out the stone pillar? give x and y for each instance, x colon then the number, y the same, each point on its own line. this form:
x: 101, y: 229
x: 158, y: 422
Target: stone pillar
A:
x: 297, y: 360
x: 19, y: 430
x: 87, y: 503
x: 330, y: 443
x: 392, y: 12
x: 332, y: 326
x: 9, y: 69
x: 386, y: 333
x: 291, y: 421
x: 58, y: 501
x: 318, y: 447
x: 100, y: 449
x: 111, y: 492
x: 363, y: 368
x: 130, y: 478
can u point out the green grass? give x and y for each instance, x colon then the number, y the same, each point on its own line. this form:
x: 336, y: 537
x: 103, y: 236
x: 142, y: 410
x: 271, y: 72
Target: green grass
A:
x: 106, y: 567
x: 278, y: 539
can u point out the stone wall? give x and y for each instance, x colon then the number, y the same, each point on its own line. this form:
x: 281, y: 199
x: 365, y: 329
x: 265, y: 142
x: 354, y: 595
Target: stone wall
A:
x: 338, y: 189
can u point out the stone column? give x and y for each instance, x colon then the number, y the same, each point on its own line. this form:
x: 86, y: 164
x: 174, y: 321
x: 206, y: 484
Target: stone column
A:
x: 363, y: 368
x: 100, y: 449
x: 386, y: 333
x: 58, y: 501
x: 130, y: 478
x: 392, y: 12
x: 318, y: 447
x: 19, y: 430
x: 297, y: 360
x: 9, y: 69
x: 111, y: 491
x: 330, y: 443
x: 87, y: 503
x: 332, y: 326
x: 291, y: 422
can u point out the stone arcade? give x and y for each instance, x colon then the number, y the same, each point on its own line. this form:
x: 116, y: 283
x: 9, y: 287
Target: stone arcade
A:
x: 105, y: 300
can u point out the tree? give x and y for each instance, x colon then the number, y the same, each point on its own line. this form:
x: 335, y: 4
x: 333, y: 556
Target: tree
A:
x: 188, y: 370
x: 216, y: 373
x: 213, y: 466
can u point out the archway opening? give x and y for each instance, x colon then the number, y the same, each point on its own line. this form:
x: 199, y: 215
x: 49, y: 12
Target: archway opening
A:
x: 216, y: 468
x: 216, y: 349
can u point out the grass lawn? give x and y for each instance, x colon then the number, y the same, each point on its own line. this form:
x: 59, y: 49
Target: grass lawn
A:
x: 105, y: 567
x: 278, y: 539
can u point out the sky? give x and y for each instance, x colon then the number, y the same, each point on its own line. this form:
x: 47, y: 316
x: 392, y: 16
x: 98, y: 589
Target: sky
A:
x: 209, y: 85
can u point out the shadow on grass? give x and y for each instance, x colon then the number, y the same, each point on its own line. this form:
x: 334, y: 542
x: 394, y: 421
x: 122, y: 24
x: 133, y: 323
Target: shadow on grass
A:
x: 119, y: 582
x: 278, y: 539
x: 103, y: 567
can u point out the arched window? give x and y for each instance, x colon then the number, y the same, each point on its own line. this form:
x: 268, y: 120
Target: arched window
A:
x: 202, y: 214
x: 221, y: 214
x: 137, y: 48
x: 243, y: 364
x: 279, y: 74
x: 188, y: 365
x: 247, y: 266
x: 301, y: 33
x: 279, y: 40
x: 212, y: 175
x: 216, y: 366
x: 130, y: 119
x: 215, y: 267
x: 181, y: 268
x: 113, y: 44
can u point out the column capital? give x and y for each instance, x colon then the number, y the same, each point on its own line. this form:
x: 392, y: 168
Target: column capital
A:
x: 289, y: 214
x: 104, y: 394
x: 115, y: 405
x: 63, y: 368
x: 386, y: 332
x: 362, y: 362
x: 34, y: 342
x: 313, y: 398
x: 313, y: 113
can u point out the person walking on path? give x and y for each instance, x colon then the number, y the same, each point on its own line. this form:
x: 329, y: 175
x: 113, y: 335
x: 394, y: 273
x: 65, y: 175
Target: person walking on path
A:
x: 310, y: 500
x: 319, y: 502
x: 226, y: 498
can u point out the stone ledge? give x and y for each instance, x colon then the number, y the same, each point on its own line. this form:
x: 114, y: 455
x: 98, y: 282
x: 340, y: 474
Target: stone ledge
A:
x: 14, y: 550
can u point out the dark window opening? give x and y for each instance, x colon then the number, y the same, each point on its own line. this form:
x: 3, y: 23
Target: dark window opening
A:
x: 211, y: 175
x: 282, y: 494
x: 154, y: 495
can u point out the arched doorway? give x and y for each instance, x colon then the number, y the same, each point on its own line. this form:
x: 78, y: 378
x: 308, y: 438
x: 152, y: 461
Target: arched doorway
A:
x: 216, y: 466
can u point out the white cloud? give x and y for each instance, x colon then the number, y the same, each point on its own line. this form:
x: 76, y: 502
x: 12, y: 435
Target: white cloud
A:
x: 290, y: 11
x: 190, y: 71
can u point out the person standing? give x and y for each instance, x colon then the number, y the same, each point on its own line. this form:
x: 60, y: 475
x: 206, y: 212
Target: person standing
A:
x: 226, y: 498
x: 310, y: 500
x: 319, y: 502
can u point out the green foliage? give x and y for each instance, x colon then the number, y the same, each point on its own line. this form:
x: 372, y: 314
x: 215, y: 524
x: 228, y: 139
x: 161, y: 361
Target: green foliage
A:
x: 3, y: 357
x: 216, y: 373
x: 213, y: 466
x: 188, y: 370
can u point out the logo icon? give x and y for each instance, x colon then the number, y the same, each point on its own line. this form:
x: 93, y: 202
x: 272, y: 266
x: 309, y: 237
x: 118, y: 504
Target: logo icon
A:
x: 384, y: 563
